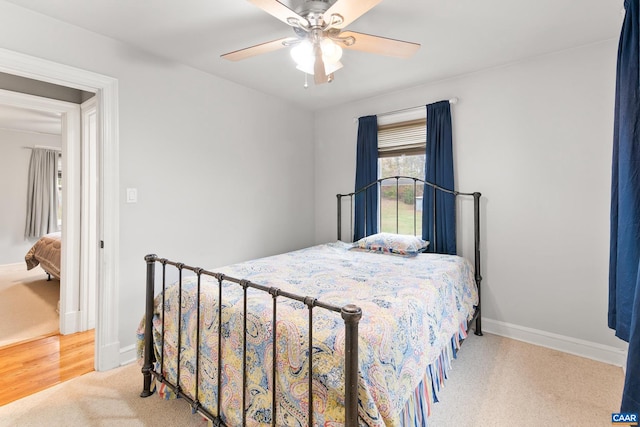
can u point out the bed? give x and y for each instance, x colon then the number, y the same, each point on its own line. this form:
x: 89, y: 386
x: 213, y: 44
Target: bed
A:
x: 381, y: 326
x: 46, y: 253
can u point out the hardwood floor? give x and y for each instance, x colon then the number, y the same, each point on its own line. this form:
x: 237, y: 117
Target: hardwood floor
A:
x: 32, y: 366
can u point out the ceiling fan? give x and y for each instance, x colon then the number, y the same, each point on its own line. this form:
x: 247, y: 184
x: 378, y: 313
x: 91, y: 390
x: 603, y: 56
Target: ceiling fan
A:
x: 319, y: 36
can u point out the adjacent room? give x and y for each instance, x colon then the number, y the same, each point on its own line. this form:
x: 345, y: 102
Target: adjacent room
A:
x: 29, y: 296
x: 222, y: 133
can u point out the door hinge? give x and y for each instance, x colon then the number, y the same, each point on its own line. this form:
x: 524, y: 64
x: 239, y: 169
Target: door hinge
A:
x: 101, y: 244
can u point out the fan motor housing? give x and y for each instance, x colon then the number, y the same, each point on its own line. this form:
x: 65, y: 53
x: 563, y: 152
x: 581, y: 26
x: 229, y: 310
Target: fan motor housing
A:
x: 306, y: 8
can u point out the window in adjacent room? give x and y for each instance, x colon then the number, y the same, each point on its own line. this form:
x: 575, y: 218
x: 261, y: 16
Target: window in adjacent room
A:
x: 59, y: 190
x: 401, y: 152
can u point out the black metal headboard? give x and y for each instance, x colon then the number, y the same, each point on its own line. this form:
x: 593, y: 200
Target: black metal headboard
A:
x: 416, y: 182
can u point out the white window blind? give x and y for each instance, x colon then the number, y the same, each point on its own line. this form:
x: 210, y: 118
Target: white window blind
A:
x: 408, y: 137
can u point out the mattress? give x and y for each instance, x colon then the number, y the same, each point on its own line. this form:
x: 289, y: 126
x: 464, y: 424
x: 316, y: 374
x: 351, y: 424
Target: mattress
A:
x: 412, y: 310
x: 46, y: 253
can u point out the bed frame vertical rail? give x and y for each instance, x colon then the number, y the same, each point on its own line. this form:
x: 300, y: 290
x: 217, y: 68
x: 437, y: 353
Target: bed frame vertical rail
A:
x: 310, y: 303
x: 196, y: 402
x: 149, y: 357
x: 415, y: 208
x: 164, y: 291
x: 435, y: 219
x: 179, y: 266
x: 274, y: 384
x: 366, y: 214
x: 397, y: 204
x: 351, y: 315
x: 476, y: 232
x: 339, y: 210
x: 219, y: 389
x: 245, y: 286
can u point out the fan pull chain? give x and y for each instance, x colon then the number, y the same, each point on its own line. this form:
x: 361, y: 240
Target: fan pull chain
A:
x: 306, y: 81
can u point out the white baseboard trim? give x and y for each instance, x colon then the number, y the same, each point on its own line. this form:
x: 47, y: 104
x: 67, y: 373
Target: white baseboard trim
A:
x: 108, y: 356
x: 127, y: 355
x: 70, y: 323
x: 14, y: 264
x: 602, y: 353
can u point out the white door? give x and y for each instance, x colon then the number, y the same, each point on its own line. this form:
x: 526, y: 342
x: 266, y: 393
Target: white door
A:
x: 89, y: 239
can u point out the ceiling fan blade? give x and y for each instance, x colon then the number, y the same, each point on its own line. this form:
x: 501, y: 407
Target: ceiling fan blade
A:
x: 280, y: 11
x: 258, y: 49
x: 319, y: 72
x: 350, y: 10
x: 380, y: 45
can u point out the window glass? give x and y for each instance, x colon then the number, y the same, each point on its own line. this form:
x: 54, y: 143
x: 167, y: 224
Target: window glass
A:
x: 59, y: 189
x: 404, y: 199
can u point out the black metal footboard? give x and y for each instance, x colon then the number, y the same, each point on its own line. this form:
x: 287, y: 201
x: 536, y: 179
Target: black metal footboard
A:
x: 351, y: 315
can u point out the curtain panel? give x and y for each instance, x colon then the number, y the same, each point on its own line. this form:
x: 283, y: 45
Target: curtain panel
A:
x: 366, y: 204
x: 439, y: 212
x: 42, y: 193
x: 624, y: 258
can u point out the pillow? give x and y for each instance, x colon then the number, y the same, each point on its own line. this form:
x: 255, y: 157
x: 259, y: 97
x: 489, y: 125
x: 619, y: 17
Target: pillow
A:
x: 398, y: 244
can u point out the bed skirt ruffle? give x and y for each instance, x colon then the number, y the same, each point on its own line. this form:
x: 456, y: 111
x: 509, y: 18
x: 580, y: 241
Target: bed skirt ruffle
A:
x: 418, y: 408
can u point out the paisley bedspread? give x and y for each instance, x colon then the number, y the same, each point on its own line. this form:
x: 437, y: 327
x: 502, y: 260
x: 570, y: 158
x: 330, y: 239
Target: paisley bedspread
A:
x: 412, y: 307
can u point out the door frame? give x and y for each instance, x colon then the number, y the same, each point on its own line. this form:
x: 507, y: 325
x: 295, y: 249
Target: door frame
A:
x: 107, y: 345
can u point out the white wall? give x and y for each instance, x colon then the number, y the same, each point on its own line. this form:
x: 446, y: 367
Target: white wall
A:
x: 14, y: 176
x: 535, y: 138
x: 223, y: 173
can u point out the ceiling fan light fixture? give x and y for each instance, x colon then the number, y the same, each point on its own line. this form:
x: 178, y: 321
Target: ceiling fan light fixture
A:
x: 330, y: 68
x: 331, y: 52
x: 304, y: 56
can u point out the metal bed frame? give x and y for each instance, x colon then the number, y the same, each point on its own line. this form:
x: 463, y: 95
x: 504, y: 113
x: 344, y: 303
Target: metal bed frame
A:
x: 350, y: 313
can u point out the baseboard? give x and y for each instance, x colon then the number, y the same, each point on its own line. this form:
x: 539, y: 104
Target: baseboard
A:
x: 70, y: 323
x: 108, y: 356
x: 602, y: 353
x: 127, y: 354
x: 14, y: 265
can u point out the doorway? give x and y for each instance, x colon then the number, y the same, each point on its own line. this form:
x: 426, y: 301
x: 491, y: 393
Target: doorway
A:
x: 78, y: 180
x: 107, y: 346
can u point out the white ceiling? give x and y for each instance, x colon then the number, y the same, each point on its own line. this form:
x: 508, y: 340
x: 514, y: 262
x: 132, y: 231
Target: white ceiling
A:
x: 27, y: 120
x: 457, y: 37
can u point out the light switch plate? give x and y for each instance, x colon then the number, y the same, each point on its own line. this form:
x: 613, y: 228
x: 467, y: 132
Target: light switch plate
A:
x: 132, y: 195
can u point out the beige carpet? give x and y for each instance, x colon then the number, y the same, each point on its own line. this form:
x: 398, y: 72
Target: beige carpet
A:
x: 494, y: 382
x: 27, y: 304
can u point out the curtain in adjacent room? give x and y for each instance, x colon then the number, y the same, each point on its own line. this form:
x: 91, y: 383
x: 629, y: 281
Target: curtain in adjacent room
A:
x: 366, y: 204
x: 624, y: 286
x: 42, y: 193
x: 439, y: 220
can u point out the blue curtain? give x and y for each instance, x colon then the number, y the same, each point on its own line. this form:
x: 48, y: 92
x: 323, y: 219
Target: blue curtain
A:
x: 439, y: 221
x: 624, y: 281
x: 366, y: 204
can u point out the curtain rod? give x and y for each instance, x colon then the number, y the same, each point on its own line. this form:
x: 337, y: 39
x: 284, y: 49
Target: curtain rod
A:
x: 402, y: 110
x: 43, y: 147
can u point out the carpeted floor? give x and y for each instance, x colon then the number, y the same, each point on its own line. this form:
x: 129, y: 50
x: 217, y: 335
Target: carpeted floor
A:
x: 28, y: 304
x: 495, y: 381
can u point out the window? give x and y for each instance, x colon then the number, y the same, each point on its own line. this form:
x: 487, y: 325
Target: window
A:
x: 401, y: 152
x: 59, y: 189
